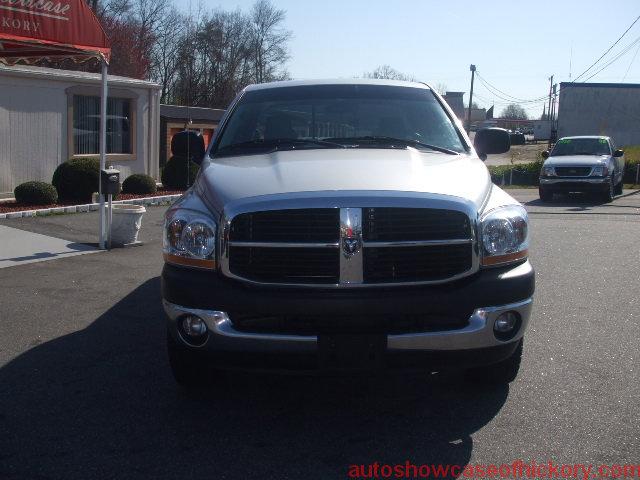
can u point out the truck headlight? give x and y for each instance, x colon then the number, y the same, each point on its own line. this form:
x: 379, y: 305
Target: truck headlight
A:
x: 189, y: 239
x: 505, y: 235
x: 600, y: 171
x: 548, y: 171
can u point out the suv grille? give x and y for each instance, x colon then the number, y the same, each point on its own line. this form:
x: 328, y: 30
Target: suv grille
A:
x: 573, y: 171
x: 303, y: 246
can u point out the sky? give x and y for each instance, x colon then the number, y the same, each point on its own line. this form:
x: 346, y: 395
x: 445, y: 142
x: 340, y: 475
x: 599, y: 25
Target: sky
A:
x: 516, y: 46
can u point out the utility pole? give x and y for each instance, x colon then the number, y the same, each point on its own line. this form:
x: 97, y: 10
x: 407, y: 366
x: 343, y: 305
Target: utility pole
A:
x: 553, y: 132
x: 550, y: 92
x: 473, y: 74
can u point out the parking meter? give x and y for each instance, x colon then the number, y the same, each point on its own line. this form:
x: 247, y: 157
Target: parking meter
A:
x: 110, y: 181
x: 110, y: 185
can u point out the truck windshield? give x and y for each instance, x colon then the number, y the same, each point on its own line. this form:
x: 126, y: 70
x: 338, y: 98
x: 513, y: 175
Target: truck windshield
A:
x: 338, y: 116
x: 581, y: 146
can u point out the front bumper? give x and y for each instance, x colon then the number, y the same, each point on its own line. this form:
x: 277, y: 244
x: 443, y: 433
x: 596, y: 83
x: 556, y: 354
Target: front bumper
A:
x: 479, y: 299
x: 575, y: 184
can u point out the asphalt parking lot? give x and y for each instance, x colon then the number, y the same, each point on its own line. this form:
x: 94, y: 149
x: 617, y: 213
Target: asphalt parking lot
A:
x: 87, y: 393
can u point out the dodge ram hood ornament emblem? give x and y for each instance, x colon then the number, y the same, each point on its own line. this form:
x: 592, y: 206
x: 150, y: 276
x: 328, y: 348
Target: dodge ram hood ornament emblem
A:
x: 351, y: 231
x: 351, y: 246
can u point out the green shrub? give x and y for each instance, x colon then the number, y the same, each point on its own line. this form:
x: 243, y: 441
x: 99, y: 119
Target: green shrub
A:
x: 523, y: 173
x: 77, y: 179
x: 632, y: 159
x: 175, y: 174
x: 36, y: 193
x: 139, y: 184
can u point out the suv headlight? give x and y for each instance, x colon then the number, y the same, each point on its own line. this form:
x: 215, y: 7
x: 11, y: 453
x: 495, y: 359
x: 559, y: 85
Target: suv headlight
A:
x: 548, y: 171
x: 189, y: 239
x: 504, y: 234
x: 600, y: 171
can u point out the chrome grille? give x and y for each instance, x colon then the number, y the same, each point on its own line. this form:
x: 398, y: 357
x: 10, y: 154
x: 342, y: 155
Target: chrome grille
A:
x: 573, y: 171
x: 349, y: 246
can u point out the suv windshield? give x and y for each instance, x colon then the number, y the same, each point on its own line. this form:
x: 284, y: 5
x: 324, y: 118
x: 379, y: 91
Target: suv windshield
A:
x: 338, y: 116
x: 581, y: 146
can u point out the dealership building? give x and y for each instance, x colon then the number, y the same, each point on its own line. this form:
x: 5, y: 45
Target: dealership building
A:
x: 611, y: 109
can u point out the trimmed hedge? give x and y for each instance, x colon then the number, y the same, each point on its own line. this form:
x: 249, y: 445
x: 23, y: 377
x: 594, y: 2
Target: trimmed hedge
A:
x: 77, y: 179
x: 175, y: 174
x: 139, y: 184
x: 36, y: 193
x: 523, y: 173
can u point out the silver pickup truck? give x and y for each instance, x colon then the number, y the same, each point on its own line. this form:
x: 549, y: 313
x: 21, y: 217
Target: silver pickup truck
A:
x: 588, y: 164
x: 345, y: 225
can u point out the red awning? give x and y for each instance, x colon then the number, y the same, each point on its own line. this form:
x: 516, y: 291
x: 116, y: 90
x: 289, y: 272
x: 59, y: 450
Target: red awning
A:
x: 31, y: 30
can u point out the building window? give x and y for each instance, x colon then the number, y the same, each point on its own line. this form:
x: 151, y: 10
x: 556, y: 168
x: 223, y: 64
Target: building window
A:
x: 86, y: 125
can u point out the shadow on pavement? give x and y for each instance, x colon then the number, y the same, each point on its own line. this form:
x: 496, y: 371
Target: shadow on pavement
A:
x: 100, y: 403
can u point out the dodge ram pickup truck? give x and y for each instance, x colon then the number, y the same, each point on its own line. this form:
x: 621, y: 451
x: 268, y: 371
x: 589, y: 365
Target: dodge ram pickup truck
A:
x: 345, y: 225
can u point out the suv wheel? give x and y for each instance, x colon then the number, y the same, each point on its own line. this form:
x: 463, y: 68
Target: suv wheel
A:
x: 505, y: 371
x: 618, y: 189
x: 187, y: 366
x: 609, y: 193
x: 545, y: 195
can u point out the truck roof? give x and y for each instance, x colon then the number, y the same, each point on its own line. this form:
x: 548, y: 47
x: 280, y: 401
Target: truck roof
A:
x: 337, y: 81
x: 587, y: 136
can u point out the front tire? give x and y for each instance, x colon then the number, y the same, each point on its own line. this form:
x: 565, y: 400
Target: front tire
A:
x: 609, y: 193
x: 505, y: 371
x: 618, y: 189
x: 187, y: 366
x: 545, y: 195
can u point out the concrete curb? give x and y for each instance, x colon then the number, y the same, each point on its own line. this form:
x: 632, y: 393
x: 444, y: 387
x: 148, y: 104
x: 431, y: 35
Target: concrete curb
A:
x: 90, y: 207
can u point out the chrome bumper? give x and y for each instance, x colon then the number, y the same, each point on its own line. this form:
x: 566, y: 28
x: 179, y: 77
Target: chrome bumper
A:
x: 478, y: 333
x: 586, y: 180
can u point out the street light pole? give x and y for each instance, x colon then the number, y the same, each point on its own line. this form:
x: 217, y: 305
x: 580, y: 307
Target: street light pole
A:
x: 473, y: 74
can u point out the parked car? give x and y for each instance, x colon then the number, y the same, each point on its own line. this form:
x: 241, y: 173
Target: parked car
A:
x: 346, y: 225
x: 582, y: 164
x: 517, y: 138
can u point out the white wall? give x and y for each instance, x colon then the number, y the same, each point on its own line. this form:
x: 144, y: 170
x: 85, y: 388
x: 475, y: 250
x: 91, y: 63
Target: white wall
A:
x: 34, y: 117
x: 596, y: 110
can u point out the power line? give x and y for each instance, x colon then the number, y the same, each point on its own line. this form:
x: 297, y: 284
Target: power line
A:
x: 609, y: 49
x: 505, y: 96
x: 623, y: 52
x: 630, y: 63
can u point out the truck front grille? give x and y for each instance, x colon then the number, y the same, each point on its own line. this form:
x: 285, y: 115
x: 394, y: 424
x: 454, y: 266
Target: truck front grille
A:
x: 285, y: 265
x: 415, y: 264
x: 405, y: 224
x: 309, y: 246
x: 573, y: 171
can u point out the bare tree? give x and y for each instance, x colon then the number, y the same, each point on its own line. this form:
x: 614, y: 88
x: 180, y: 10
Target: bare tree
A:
x: 169, y: 35
x: 441, y: 88
x: 514, y: 111
x: 269, y: 41
x: 387, y: 72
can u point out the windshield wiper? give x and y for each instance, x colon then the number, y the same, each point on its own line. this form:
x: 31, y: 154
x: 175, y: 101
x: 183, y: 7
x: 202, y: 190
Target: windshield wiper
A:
x: 277, y: 143
x: 392, y: 142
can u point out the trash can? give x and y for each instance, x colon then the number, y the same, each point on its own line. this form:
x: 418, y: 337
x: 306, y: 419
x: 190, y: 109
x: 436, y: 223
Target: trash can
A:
x: 127, y: 220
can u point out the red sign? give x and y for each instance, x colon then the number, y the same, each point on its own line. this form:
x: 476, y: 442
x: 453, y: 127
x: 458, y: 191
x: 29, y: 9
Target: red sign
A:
x: 33, y: 29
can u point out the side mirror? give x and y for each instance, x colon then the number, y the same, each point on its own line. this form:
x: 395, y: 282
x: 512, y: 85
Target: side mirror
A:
x: 188, y: 144
x: 618, y: 153
x: 491, y: 141
x: 545, y: 154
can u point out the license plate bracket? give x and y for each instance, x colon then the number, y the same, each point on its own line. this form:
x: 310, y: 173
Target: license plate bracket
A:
x: 352, y: 351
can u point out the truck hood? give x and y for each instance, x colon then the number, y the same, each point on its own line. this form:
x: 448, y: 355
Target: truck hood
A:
x: 573, y: 160
x: 225, y: 180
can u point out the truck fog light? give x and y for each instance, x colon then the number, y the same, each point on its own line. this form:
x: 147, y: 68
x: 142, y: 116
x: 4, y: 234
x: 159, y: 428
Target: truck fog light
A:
x: 193, y: 329
x: 506, y: 325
